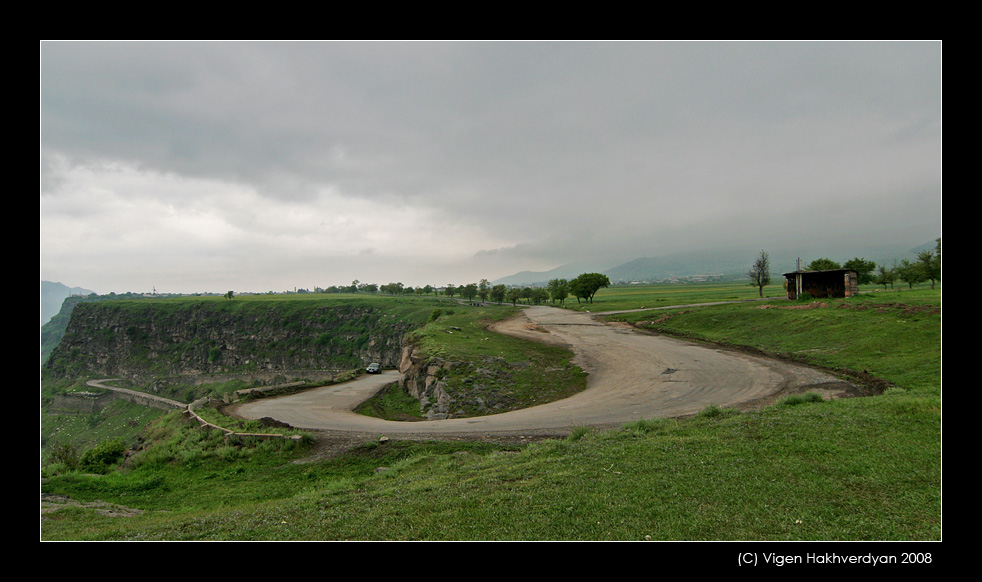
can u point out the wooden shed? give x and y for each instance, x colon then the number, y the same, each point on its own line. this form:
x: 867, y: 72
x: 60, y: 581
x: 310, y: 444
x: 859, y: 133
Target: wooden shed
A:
x: 831, y: 283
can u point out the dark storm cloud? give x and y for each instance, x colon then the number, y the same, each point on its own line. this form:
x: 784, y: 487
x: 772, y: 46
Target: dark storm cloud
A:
x: 525, y: 153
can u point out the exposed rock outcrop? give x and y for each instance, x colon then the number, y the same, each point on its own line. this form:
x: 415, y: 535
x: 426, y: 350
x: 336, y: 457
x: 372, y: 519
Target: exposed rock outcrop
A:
x: 458, y: 389
x: 422, y: 379
x: 140, y: 340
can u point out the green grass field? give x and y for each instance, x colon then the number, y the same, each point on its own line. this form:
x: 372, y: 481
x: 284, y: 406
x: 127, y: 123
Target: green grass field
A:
x: 851, y: 469
x: 621, y: 297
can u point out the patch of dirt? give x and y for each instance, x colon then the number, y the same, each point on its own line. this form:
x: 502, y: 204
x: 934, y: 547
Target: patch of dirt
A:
x: 663, y: 319
x: 53, y: 503
x: 521, y: 326
x: 268, y: 422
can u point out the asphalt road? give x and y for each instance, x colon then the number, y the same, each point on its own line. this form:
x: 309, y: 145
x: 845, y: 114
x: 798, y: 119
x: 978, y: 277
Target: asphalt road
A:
x: 633, y: 375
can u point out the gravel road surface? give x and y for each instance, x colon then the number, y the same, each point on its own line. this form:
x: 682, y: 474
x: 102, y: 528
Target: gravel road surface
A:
x: 632, y: 375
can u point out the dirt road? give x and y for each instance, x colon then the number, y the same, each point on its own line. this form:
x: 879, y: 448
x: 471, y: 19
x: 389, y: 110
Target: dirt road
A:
x: 632, y: 375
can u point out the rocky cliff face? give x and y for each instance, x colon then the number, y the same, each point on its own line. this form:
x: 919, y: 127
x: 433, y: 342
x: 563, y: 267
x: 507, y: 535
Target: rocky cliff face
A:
x: 458, y: 389
x: 422, y: 379
x: 145, y: 339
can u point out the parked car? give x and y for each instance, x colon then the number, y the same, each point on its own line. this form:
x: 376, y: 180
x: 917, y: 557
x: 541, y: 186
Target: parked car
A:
x: 374, y: 368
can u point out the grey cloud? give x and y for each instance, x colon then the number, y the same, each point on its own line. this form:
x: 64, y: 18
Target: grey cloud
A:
x: 555, y: 148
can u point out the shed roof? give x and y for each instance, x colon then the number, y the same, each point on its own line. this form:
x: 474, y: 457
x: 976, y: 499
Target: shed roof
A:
x: 803, y: 271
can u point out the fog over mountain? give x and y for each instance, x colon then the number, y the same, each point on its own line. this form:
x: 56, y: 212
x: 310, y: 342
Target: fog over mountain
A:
x: 53, y: 294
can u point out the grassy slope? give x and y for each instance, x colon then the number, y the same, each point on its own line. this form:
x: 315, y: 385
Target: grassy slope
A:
x: 858, y: 469
x: 493, y: 368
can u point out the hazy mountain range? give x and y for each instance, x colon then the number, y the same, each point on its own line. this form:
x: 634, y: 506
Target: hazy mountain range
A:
x: 53, y: 295
x: 724, y: 265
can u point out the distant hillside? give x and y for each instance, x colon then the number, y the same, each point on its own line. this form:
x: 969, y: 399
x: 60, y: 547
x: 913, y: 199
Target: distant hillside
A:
x: 532, y: 278
x: 52, y: 296
x: 725, y: 264
x: 643, y: 269
x: 681, y: 266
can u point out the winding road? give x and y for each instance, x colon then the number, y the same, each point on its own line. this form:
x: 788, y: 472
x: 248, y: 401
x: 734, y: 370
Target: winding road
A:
x: 633, y: 375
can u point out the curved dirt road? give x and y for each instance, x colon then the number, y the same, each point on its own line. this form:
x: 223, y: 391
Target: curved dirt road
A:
x: 632, y: 375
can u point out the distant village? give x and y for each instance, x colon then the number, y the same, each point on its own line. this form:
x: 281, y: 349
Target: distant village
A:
x: 686, y: 279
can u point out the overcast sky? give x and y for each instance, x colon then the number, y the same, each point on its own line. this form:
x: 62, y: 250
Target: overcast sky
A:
x: 267, y: 166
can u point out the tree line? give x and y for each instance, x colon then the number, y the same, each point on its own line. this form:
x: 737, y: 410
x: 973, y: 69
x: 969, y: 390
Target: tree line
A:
x: 926, y: 266
x: 584, y: 287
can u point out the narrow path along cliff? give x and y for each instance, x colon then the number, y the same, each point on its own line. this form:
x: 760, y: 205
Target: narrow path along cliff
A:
x: 633, y: 375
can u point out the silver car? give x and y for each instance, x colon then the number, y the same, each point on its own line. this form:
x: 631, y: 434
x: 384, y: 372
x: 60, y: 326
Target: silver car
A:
x: 374, y: 368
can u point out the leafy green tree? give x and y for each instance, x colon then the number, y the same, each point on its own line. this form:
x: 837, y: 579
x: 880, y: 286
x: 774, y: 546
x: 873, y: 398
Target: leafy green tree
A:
x: 558, y: 290
x: 469, y: 291
x: 760, y: 272
x: 586, y: 285
x: 864, y: 269
x: 910, y: 273
x: 885, y: 276
x: 930, y: 263
x: 498, y: 293
x: 579, y: 289
x: 823, y: 264
x: 514, y: 294
x: 483, y: 289
x: 527, y: 294
x: 450, y: 290
x: 229, y: 295
x: 393, y: 288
